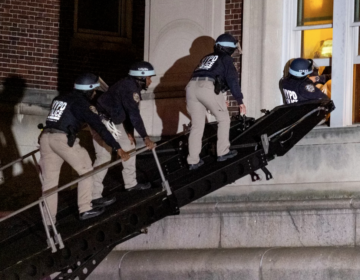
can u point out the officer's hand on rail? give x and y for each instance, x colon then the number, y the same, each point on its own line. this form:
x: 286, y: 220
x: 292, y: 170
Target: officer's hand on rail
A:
x: 242, y: 109
x: 131, y: 138
x: 150, y: 144
x: 123, y: 155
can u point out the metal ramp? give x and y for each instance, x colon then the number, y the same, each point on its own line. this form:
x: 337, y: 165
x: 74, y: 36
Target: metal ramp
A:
x: 25, y: 253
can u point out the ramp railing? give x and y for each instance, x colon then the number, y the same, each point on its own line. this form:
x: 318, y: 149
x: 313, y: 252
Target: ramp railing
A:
x: 42, y: 201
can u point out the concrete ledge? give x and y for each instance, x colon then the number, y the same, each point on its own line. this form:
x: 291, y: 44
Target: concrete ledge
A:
x: 261, y: 191
x: 254, y: 225
x: 328, y: 263
x: 270, y: 206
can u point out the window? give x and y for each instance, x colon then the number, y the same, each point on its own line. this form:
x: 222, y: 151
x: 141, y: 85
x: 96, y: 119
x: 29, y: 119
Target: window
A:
x: 356, y: 94
x: 106, y: 20
x: 314, y: 12
x: 317, y: 43
x: 357, y: 11
x: 356, y: 67
x: 328, y: 32
x: 314, y: 17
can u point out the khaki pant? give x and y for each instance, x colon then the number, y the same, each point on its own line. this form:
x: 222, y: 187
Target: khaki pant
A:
x: 103, y: 155
x: 200, y: 96
x: 54, y: 150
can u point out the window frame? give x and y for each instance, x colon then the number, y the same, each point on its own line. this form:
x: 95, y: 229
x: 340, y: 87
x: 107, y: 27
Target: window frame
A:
x: 125, y: 23
x: 345, y: 54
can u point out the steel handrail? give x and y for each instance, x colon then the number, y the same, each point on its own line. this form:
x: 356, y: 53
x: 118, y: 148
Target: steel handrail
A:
x: 37, y: 150
x: 82, y: 177
x: 18, y: 160
x: 87, y: 175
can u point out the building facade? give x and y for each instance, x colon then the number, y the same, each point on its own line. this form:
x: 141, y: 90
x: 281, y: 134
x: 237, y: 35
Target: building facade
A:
x: 301, y: 223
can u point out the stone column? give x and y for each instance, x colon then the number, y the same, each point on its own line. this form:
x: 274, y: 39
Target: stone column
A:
x: 177, y: 35
x: 262, y: 49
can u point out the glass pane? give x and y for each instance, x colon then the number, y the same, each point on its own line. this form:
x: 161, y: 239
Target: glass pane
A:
x: 98, y: 15
x: 359, y: 42
x: 356, y: 94
x: 357, y: 11
x: 317, y: 43
x: 315, y: 12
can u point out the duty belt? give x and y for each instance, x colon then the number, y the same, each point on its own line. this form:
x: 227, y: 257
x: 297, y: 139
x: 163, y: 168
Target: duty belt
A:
x: 202, y: 79
x: 53, y: 130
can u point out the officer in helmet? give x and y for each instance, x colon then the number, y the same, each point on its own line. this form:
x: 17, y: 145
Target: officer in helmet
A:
x: 216, y: 73
x: 120, y: 105
x: 298, y: 86
x: 58, y: 143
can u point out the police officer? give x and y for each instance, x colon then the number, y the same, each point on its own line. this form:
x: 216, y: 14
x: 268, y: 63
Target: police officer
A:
x: 297, y: 86
x: 58, y: 143
x: 216, y: 72
x: 120, y: 105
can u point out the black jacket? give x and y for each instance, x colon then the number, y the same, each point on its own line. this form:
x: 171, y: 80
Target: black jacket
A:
x: 121, y: 104
x: 221, y: 64
x: 69, y: 112
x: 300, y: 89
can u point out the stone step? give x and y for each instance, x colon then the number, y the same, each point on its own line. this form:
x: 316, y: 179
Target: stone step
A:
x: 255, y: 224
x: 324, y: 263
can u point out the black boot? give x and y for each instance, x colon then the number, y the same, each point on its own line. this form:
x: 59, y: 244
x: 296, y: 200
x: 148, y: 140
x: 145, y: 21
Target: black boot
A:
x: 91, y: 213
x: 140, y: 187
x: 103, y: 201
x: 230, y: 154
x: 196, y: 165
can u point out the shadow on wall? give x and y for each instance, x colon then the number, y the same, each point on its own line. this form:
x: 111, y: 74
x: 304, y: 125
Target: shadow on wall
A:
x: 170, y: 92
x: 19, y: 184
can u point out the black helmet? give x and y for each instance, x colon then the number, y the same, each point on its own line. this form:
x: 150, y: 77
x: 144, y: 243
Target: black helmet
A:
x: 142, y: 69
x: 301, y: 67
x: 87, y: 82
x: 226, y: 43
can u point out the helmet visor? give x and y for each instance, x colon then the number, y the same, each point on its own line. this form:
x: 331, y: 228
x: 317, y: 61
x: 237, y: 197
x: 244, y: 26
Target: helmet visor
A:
x: 142, y: 73
x: 227, y: 44
x: 103, y: 86
x: 239, y: 48
x: 87, y: 87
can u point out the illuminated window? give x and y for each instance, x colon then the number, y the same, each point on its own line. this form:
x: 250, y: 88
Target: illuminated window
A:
x: 317, y: 43
x: 313, y: 30
x: 314, y: 16
x: 315, y: 12
x: 356, y: 71
x: 356, y: 96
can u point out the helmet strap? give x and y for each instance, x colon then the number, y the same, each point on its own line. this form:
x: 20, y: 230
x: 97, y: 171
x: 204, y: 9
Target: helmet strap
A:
x: 86, y: 93
x: 141, y: 81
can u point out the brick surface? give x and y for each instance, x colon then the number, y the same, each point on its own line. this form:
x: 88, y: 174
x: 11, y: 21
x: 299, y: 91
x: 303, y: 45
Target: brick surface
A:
x: 37, y: 44
x: 233, y: 25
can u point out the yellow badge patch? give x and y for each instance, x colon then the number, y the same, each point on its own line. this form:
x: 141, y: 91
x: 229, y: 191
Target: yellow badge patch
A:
x: 310, y: 88
x: 136, y: 97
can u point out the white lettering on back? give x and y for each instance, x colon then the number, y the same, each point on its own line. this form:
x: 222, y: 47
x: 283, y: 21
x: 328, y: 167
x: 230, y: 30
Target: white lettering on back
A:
x: 57, y: 109
x: 207, y: 62
x: 290, y: 96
